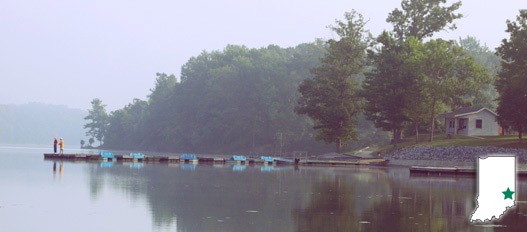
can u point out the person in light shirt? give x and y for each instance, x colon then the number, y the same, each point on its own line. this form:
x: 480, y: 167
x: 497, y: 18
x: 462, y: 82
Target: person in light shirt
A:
x: 61, y: 143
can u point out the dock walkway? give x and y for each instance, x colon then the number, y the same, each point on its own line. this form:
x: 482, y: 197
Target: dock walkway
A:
x: 451, y: 171
x: 209, y: 159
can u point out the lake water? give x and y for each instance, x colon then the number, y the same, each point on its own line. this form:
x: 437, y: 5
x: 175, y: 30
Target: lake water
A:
x: 42, y: 195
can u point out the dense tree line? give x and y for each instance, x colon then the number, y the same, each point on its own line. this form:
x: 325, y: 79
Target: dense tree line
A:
x: 242, y: 99
x: 410, y: 81
x: 415, y: 80
x: 238, y: 99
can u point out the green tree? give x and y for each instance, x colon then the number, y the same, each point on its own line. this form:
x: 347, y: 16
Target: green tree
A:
x: 126, y: 125
x: 331, y: 98
x: 422, y: 18
x: 82, y: 143
x: 243, y: 97
x: 512, y: 82
x: 97, y: 120
x: 446, y: 74
x: 486, y: 95
x: 158, y: 118
x: 415, y: 81
x: 386, y: 86
x: 91, y: 141
x: 393, y: 89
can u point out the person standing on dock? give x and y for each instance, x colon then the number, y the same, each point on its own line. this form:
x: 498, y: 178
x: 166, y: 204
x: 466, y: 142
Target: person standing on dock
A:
x: 61, y: 146
x: 55, y: 142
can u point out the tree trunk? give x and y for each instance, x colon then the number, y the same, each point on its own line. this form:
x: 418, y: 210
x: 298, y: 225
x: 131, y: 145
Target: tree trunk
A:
x: 433, y: 119
x: 416, y: 132
x: 432, y: 125
x: 396, y: 136
x: 338, y: 144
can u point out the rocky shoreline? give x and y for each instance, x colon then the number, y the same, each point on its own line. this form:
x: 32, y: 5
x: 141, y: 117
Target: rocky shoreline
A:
x: 450, y: 156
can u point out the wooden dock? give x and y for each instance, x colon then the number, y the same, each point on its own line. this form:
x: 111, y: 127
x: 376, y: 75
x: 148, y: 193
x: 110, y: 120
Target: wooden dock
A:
x: 374, y: 162
x: 209, y: 159
x: 451, y: 171
x: 440, y: 171
x: 126, y: 158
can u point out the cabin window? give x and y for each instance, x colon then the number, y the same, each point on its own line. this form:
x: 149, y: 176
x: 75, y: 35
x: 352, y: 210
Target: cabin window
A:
x: 479, y: 123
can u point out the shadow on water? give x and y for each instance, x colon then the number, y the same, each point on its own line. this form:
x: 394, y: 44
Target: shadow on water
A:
x: 193, y: 197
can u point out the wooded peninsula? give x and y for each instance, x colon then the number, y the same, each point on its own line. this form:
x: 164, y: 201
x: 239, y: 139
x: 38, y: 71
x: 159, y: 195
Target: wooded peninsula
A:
x: 341, y: 94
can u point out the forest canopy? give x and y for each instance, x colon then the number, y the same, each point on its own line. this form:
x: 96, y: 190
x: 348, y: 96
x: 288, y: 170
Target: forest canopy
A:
x: 235, y: 100
x: 354, y: 88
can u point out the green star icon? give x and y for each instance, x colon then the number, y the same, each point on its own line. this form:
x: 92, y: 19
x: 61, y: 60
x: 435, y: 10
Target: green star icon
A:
x: 508, y: 194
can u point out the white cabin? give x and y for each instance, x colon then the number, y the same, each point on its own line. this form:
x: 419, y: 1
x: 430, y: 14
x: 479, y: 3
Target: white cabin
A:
x: 471, y: 121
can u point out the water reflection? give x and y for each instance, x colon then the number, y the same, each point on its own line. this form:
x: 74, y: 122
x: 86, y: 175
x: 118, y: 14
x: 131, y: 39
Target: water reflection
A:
x: 266, y: 168
x: 107, y: 164
x: 61, y: 170
x: 188, y: 166
x: 238, y: 168
x: 260, y: 198
x: 208, y: 199
x: 407, y: 204
x: 137, y: 165
x: 331, y: 207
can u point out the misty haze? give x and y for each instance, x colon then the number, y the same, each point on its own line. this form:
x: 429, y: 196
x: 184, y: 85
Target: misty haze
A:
x: 260, y: 115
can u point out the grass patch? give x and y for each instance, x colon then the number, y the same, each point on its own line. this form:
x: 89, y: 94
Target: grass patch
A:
x: 509, y: 141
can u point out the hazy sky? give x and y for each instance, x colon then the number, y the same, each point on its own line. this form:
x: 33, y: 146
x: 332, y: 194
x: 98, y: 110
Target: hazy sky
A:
x: 68, y: 52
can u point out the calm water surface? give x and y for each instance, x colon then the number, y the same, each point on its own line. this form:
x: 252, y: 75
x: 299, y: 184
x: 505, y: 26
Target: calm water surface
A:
x: 42, y: 195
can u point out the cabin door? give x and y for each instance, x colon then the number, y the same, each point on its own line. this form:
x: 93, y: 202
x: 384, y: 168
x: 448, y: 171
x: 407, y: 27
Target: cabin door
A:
x: 462, y: 124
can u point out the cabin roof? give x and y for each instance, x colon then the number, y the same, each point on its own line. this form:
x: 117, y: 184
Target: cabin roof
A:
x: 463, y: 111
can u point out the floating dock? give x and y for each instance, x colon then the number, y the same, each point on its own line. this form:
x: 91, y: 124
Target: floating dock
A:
x: 440, y: 171
x: 128, y: 158
x: 195, y: 159
x: 451, y: 171
x: 376, y: 162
